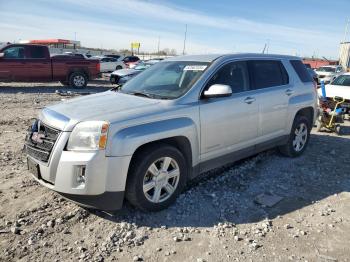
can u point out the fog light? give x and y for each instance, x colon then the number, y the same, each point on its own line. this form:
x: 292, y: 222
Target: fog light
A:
x: 80, y: 175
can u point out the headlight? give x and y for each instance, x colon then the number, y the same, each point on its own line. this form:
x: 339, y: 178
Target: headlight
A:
x: 89, y: 135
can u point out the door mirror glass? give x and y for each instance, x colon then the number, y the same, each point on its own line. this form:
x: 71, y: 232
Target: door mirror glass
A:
x: 218, y: 90
x: 2, y: 55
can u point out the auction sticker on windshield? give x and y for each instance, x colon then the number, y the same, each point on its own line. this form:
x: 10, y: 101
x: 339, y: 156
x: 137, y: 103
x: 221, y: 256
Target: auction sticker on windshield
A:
x: 195, y: 68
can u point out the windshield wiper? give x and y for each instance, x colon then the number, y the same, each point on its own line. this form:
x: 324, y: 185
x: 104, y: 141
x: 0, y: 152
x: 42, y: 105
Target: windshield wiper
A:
x: 143, y: 94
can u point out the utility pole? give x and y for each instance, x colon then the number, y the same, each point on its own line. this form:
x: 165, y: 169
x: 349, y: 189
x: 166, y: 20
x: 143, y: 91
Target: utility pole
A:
x: 268, y: 46
x: 183, y: 51
x: 75, y: 36
x: 158, y: 44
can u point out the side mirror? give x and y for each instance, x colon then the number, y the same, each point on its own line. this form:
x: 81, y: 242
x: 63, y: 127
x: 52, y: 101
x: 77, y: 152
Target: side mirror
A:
x: 2, y: 55
x: 218, y: 90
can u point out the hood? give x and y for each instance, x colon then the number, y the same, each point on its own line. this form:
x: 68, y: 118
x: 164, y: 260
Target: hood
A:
x: 124, y: 72
x: 109, y: 106
x: 335, y: 90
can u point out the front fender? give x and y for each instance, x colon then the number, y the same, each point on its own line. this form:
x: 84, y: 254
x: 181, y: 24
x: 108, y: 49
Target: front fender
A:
x: 126, y: 141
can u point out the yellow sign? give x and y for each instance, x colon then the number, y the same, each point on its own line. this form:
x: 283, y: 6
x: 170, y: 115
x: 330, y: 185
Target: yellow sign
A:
x: 135, y: 45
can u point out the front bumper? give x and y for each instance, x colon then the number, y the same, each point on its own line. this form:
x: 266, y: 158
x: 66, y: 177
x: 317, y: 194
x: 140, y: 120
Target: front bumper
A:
x: 104, y: 177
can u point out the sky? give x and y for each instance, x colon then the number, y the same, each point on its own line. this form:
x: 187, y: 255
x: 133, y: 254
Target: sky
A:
x: 295, y: 27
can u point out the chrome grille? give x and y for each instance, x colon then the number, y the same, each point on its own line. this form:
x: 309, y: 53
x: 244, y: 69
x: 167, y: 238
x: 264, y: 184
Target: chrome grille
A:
x: 41, y: 147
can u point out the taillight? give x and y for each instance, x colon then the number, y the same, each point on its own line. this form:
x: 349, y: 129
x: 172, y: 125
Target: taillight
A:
x: 98, y: 67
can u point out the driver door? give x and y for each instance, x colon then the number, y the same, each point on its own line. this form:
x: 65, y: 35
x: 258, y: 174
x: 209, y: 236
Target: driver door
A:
x: 228, y: 124
x: 13, y: 66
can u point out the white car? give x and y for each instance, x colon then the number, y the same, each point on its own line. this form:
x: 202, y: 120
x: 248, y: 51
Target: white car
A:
x: 328, y: 73
x: 110, y: 64
x: 339, y: 87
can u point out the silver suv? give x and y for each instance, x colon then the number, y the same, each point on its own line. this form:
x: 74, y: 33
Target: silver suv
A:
x: 175, y: 120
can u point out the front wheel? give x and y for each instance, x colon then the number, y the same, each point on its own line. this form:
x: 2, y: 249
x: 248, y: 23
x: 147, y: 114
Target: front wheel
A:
x: 78, y: 80
x: 156, y: 177
x: 298, y: 138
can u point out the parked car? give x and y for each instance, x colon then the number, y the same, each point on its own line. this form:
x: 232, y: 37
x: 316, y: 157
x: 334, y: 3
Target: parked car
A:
x: 328, y: 73
x: 109, y: 64
x: 175, y: 120
x: 114, y: 56
x: 32, y: 63
x: 120, y: 77
x: 339, y: 87
x: 130, y: 61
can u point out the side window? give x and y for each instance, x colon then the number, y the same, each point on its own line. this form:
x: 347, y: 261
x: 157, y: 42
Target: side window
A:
x: 301, y: 71
x: 267, y: 73
x: 126, y: 59
x: 15, y: 52
x: 234, y: 74
x: 37, y: 52
x: 104, y: 60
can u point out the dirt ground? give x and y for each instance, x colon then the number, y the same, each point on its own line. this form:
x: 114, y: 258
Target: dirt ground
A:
x: 217, y: 218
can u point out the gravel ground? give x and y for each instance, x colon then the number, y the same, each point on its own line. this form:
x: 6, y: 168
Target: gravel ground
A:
x: 217, y: 218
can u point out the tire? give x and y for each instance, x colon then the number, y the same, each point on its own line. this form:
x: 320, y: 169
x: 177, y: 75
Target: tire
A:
x: 297, y: 144
x: 78, y: 80
x: 148, y: 162
x: 64, y: 83
x: 118, y: 67
x: 338, y: 130
x: 319, y: 124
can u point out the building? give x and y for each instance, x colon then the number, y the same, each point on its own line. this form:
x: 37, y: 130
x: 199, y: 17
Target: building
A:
x: 316, y: 62
x: 344, y: 55
x: 54, y: 43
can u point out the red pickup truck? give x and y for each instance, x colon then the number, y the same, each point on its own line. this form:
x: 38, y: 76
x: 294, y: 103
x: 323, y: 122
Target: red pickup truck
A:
x: 32, y: 63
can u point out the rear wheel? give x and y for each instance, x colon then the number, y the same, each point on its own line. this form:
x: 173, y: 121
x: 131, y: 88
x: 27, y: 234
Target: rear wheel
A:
x: 118, y: 67
x: 78, y: 80
x: 298, y: 138
x: 156, y: 177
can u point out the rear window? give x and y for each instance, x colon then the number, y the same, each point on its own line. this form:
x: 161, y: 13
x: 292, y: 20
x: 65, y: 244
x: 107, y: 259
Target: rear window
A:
x: 37, y: 52
x: 301, y: 71
x: 268, y: 73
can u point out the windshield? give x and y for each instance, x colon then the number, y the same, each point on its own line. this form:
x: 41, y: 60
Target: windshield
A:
x: 167, y: 80
x: 326, y: 69
x: 343, y: 80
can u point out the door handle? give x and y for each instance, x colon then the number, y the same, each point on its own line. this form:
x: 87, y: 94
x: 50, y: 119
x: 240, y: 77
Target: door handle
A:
x: 249, y: 100
x: 289, y: 92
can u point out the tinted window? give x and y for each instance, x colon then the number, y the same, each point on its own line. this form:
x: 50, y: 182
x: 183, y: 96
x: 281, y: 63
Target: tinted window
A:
x: 15, y: 52
x: 301, y: 71
x: 267, y: 73
x: 233, y: 74
x: 37, y: 52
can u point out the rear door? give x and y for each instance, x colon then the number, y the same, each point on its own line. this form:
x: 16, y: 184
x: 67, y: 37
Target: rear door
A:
x: 270, y: 82
x: 39, y: 62
x: 13, y: 65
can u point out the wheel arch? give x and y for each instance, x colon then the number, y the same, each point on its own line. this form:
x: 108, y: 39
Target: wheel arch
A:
x: 180, y: 133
